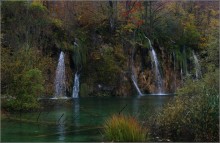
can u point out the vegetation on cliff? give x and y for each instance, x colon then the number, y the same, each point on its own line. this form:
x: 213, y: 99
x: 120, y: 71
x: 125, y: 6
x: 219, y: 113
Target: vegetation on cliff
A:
x: 105, y: 42
x: 193, y: 115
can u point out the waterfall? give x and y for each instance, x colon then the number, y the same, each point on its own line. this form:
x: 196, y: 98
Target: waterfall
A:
x: 60, y: 87
x: 197, y: 66
x: 134, y: 80
x: 157, y: 72
x: 76, y: 86
x: 155, y: 64
x: 133, y: 77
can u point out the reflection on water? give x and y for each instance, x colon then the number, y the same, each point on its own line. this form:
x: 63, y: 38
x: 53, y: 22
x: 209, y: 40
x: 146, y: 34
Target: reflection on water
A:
x: 76, y: 113
x: 77, y: 119
x: 61, y: 130
x: 61, y: 116
x: 136, y: 107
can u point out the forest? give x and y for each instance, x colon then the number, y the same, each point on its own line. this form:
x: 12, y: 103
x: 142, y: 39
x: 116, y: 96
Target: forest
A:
x: 110, y: 70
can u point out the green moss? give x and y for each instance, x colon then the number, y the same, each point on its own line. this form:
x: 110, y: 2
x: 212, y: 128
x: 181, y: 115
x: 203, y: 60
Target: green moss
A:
x: 38, y: 7
x: 85, y: 89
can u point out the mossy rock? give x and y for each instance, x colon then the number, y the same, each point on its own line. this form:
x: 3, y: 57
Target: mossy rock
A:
x: 85, y: 89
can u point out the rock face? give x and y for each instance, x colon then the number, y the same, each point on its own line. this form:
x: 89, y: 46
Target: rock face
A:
x: 146, y: 76
x: 91, y: 85
x: 111, y: 66
x: 113, y: 70
x: 123, y: 86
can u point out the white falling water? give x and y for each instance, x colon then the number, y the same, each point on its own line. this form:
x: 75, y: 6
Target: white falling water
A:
x: 157, y: 72
x: 197, y: 66
x: 60, y: 86
x: 133, y: 77
x: 155, y: 64
x: 135, y: 84
x: 76, y: 86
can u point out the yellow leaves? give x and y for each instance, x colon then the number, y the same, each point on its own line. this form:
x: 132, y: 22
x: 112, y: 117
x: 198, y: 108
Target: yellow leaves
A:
x: 203, y: 39
x: 95, y: 55
x: 191, y: 17
x: 214, y: 12
x: 203, y: 45
x: 88, y: 13
x: 79, y: 17
x: 203, y: 42
x: 196, y: 7
x: 38, y: 6
x: 57, y: 22
x: 65, y: 46
x: 214, y: 22
x: 129, y: 27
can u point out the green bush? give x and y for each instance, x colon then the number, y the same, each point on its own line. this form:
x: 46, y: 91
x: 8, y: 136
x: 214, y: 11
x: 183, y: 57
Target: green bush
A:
x: 30, y: 87
x: 122, y: 128
x: 13, y: 67
x: 110, y: 65
x: 33, y: 82
x: 193, y: 115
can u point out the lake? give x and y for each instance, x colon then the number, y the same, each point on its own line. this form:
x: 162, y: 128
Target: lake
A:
x: 76, y: 119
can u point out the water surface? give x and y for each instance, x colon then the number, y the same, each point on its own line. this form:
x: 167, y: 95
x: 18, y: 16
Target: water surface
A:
x: 76, y: 119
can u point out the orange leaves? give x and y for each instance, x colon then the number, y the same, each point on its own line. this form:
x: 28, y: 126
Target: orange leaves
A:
x: 133, y: 15
x: 140, y: 22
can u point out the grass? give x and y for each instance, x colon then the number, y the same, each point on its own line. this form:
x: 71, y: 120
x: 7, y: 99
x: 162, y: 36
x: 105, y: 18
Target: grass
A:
x: 124, y: 128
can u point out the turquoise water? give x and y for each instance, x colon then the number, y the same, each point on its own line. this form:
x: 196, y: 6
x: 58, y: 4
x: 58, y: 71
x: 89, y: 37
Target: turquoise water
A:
x: 76, y: 119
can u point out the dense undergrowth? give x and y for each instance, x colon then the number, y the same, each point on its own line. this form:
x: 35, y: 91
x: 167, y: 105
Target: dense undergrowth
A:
x: 193, y: 115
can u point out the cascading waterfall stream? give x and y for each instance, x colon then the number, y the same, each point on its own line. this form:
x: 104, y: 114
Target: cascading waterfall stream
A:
x: 134, y: 80
x: 155, y: 64
x: 197, y: 66
x: 133, y: 77
x: 76, y: 86
x: 60, y: 86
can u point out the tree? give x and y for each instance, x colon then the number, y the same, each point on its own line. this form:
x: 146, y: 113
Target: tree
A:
x: 29, y: 86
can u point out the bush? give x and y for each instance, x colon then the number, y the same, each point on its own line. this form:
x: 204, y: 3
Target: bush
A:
x: 33, y: 82
x: 122, y: 128
x: 30, y: 87
x: 194, y: 114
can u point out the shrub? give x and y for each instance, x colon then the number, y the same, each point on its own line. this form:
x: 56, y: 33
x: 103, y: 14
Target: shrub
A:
x: 15, y: 65
x: 123, y: 128
x: 193, y: 115
x: 29, y: 88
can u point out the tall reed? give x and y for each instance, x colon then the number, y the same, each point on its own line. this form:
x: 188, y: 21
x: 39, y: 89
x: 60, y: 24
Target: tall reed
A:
x: 123, y: 128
